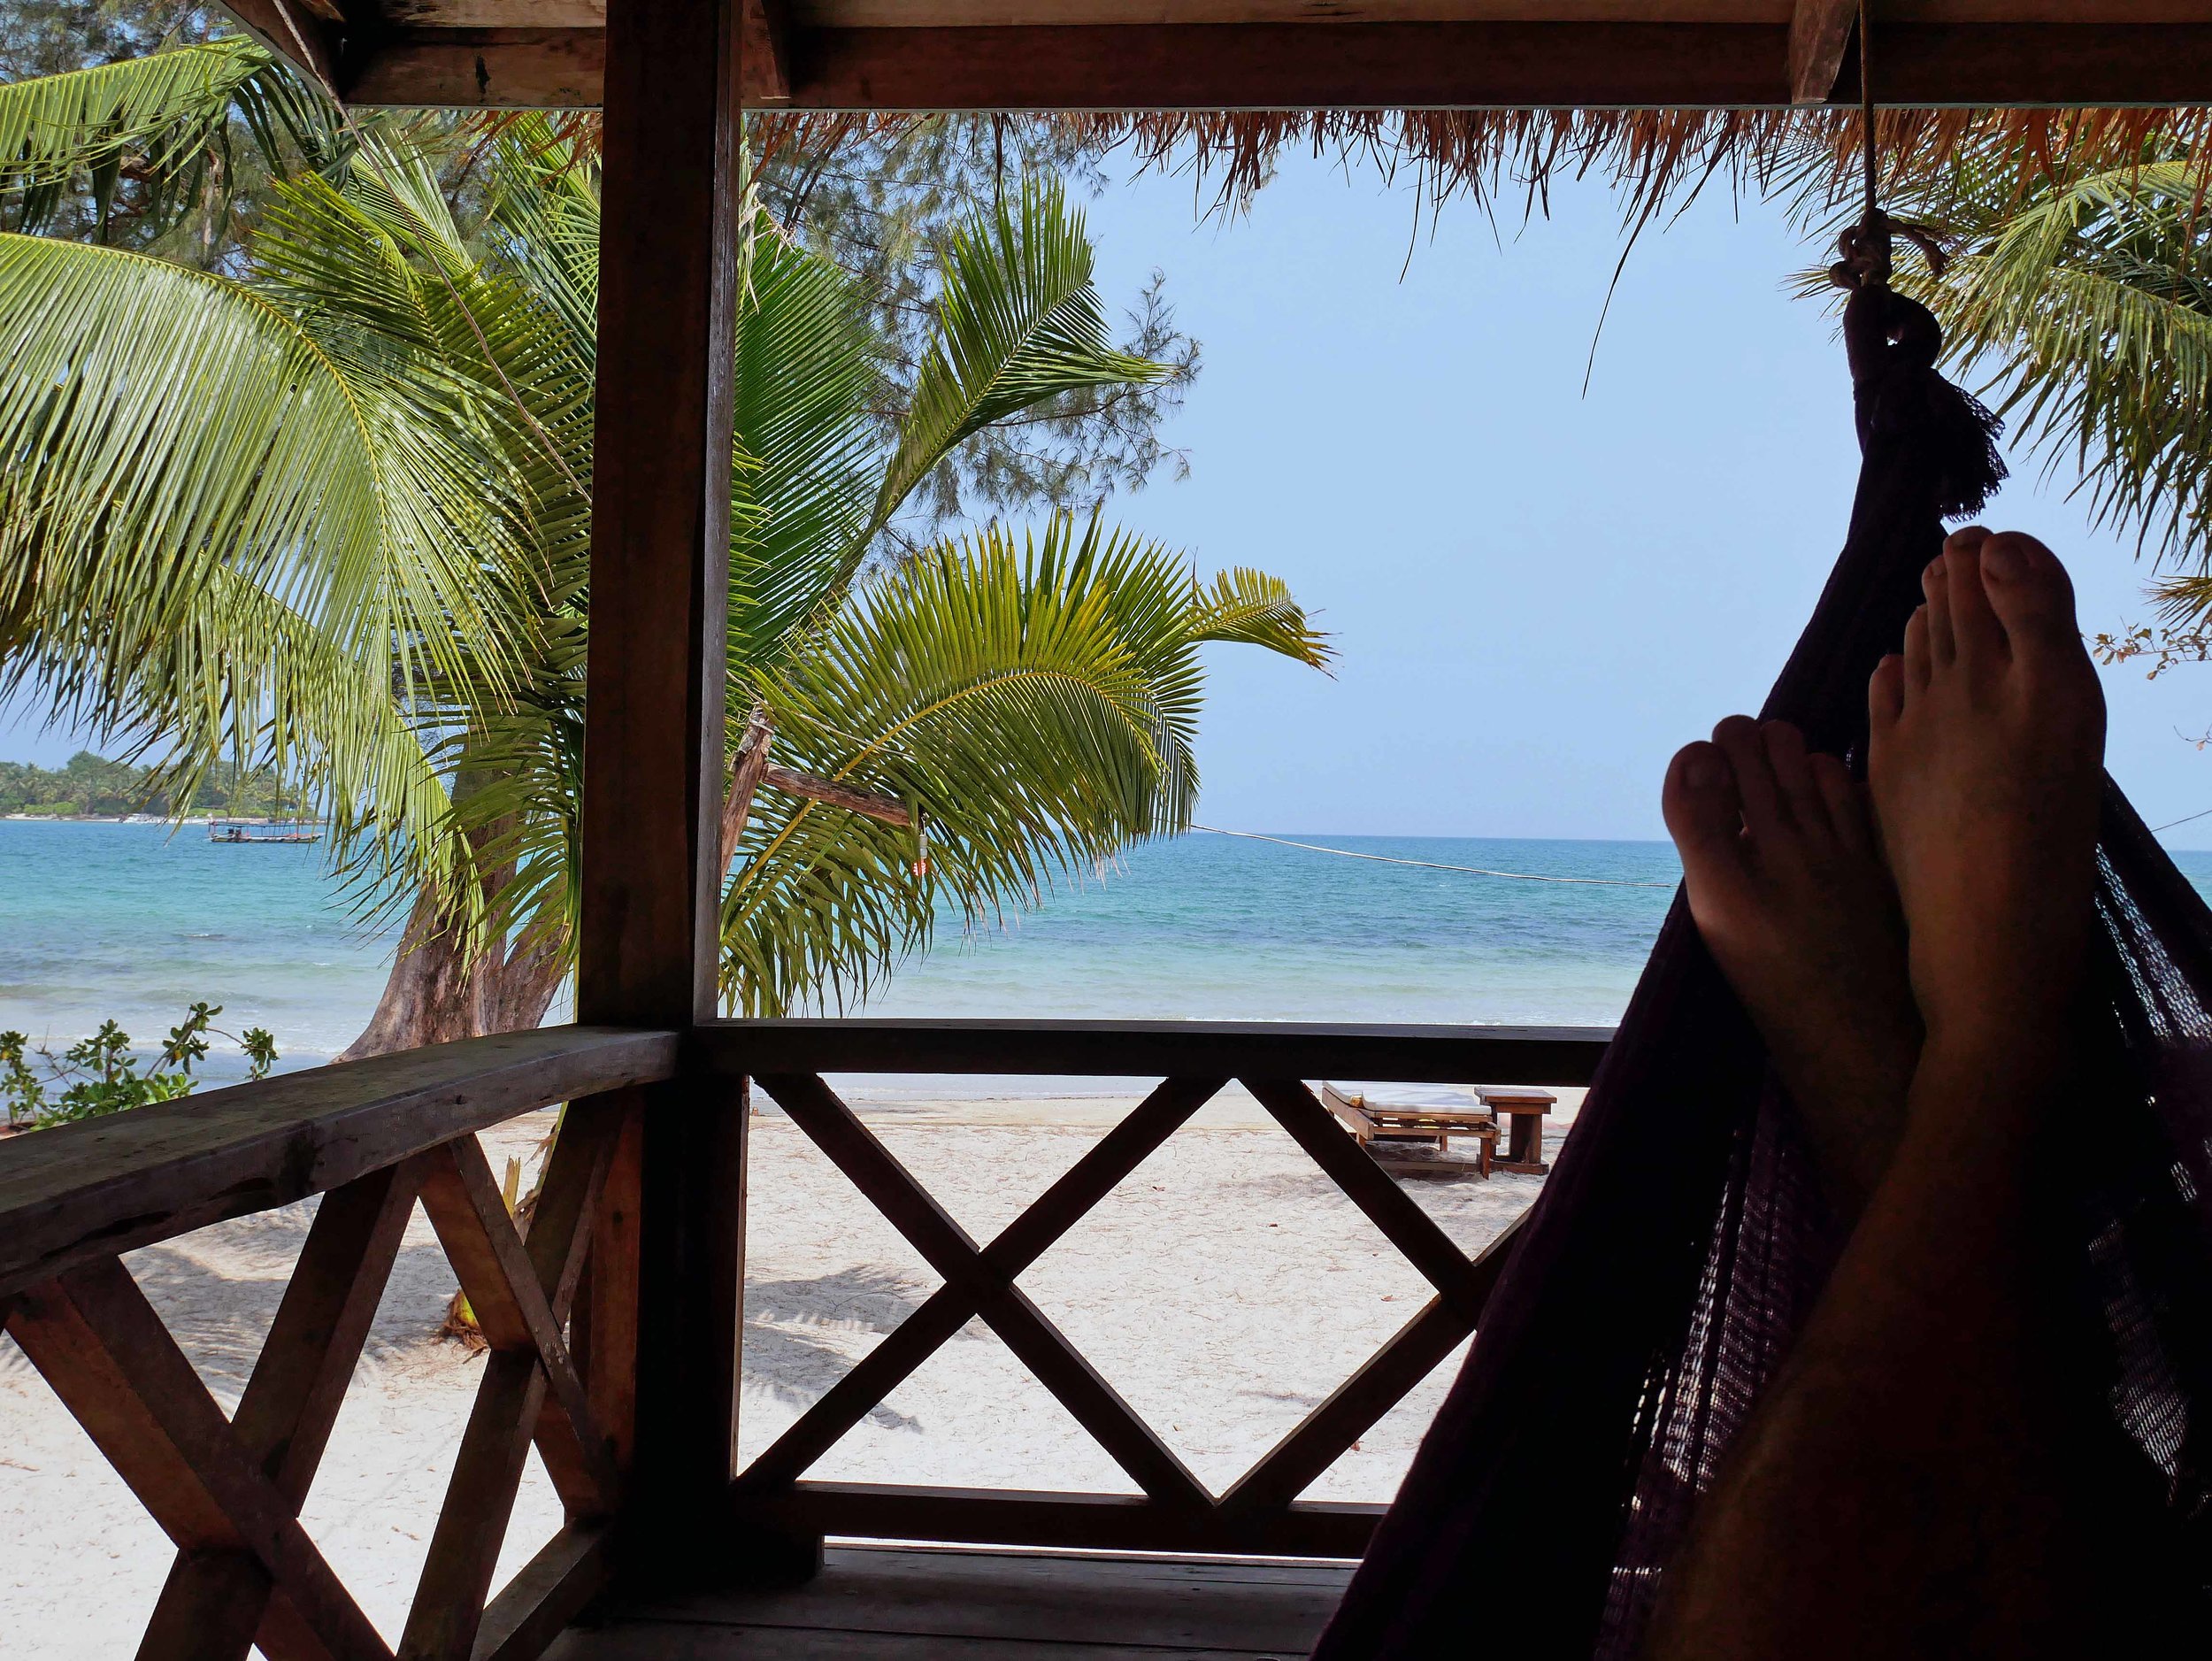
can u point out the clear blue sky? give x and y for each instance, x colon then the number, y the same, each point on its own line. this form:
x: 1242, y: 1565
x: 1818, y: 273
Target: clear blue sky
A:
x: 1537, y: 595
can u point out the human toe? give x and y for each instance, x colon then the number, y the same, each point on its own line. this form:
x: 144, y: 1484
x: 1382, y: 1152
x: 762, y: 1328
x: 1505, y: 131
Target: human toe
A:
x: 1792, y: 763
x: 1702, y: 811
x: 1844, y: 798
x: 1919, y: 657
x: 1935, y: 585
x: 1978, y: 640
x: 1765, y: 809
x: 2029, y: 592
x: 1886, y: 693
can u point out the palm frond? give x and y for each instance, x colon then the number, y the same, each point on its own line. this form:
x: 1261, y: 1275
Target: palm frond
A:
x: 2090, y: 301
x: 1251, y: 608
x: 805, y: 373
x: 1019, y: 322
x: 1034, y: 704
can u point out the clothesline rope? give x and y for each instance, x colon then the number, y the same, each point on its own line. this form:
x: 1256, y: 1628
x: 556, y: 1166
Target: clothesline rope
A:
x: 1432, y: 865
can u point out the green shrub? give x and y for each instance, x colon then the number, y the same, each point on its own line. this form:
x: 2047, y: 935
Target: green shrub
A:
x: 102, y: 1074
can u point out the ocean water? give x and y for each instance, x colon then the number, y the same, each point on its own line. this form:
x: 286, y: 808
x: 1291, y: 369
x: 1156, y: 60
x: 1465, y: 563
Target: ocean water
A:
x: 132, y: 922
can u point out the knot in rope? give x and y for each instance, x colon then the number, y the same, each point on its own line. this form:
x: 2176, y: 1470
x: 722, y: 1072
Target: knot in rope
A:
x: 1867, y: 247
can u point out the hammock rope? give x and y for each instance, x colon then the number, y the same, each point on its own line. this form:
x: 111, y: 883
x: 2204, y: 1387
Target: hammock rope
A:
x: 1432, y: 865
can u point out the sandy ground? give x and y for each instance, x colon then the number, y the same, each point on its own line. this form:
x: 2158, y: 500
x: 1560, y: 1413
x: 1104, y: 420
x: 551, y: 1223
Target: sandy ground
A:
x: 1223, y: 1289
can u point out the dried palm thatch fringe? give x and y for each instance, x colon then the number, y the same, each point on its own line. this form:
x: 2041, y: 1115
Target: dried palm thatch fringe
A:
x: 1659, y: 157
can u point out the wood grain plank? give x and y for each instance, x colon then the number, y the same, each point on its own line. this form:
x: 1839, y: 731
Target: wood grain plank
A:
x: 1820, y: 30
x: 448, y: 1611
x: 1155, y: 1050
x: 1491, y: 64
x: 1349, y: 1411
x: 80, y: 1192
x: 691, y: 1313
x: 1368, y: 1186
x: 990, y: 1596
x: 1108, y: 1162
x: 100, y: 1344
x: 607, y: 1322
x: 1034, y: 1341
x: 650, y: 869
x: 765, y: 67
x: 213, y: 1603
x: 510, y: 1303
x: 552, y: 1589
x: 1099, y: 1522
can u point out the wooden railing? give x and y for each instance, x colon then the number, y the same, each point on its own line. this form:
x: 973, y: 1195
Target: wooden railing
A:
x: 629, y: 1389
x: 372, y: 1139
x: 1261, y: 1513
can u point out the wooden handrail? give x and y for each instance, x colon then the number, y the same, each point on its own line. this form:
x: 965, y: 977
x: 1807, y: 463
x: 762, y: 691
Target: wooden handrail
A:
x: 1281, y: 1049
x: 78, y: 1193
x: 379, y: 1137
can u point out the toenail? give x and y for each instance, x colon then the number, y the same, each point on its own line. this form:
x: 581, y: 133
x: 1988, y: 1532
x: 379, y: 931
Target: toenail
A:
x: 1700, y: 770
x: 2001, y: 557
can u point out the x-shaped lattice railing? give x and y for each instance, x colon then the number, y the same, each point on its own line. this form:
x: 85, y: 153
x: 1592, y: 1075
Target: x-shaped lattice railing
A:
x: 228, y: 1491
x: 980, y: 1280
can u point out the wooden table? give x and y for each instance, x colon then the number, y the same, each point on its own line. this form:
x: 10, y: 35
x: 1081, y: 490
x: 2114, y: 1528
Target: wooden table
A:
x: 1524, y: 1109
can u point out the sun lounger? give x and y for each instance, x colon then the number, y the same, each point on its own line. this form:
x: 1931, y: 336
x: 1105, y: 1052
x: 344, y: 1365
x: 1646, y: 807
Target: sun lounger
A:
x: 1415, y: 1139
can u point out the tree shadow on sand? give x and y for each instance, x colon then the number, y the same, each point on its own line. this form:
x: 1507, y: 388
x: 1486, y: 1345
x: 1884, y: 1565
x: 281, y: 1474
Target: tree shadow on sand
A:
x: 796, y: 1333
x: 217, y: 1291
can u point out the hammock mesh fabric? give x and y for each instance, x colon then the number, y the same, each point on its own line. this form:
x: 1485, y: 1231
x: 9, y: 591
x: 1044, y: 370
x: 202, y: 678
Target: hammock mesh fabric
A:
x: 1680, y: 1240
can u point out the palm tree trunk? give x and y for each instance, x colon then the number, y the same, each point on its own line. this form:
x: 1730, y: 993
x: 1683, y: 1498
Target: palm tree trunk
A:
x: 433, y: 995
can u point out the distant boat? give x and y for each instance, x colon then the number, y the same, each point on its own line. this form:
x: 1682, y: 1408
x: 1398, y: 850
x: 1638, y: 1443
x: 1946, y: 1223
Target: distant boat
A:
x: 263, y: 830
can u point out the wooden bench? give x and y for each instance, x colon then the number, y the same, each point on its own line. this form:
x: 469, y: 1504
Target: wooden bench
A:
x: 1524, y: 1109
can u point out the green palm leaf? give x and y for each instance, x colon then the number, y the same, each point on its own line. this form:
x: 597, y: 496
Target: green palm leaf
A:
x: 1019, y: 322
x: 2092, y: 298
x: 1033, y: 704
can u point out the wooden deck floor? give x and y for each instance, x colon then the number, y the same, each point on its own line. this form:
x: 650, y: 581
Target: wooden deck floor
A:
x: 886, y: 1603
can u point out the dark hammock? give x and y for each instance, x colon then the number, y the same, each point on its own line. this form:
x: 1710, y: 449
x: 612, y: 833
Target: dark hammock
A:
x: 1680, y: 1240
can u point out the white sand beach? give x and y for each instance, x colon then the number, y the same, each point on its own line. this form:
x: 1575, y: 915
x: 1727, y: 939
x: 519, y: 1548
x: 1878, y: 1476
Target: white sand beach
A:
x: 1224, y: 1290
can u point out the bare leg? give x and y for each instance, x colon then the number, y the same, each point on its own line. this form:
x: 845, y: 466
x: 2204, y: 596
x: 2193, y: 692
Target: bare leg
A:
x: 1905, y: 1488
x: 1786, y: 883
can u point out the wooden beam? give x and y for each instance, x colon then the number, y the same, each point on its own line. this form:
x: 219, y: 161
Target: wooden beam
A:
x: 1412, y: 1353
x: 1034, y: 1341
x: 482, y: 69
x: 213, y: 1603
x: 1368, y: 1186
x: 1409, y: 1055
x: 691, y: 1312
x: 102, y: 1347
x: 651, y: 878
x: 80, y: 1192
x: 517, y: 1310
x: 1102, y: 1522
x: 1350, y: 65
x: 766, y: 65
x: 1820, y: 30
x: 551, y: 1591
x: 886, y: 809
x: 302, y: 32
x: 520, y: 1293
x: 652, y: 870
x: 605, y: 1323
x: 945, y: 1312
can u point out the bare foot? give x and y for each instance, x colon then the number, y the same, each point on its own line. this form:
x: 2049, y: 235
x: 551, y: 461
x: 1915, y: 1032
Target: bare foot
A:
x: 1786, y: 883
x: 1987, y: 736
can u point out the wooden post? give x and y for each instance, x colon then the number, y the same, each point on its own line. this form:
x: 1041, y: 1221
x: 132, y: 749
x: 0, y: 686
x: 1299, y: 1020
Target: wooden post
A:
x: 651, y: 866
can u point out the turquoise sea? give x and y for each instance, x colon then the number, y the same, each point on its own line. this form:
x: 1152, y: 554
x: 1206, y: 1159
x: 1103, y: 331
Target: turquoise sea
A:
x: 134, y: 922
